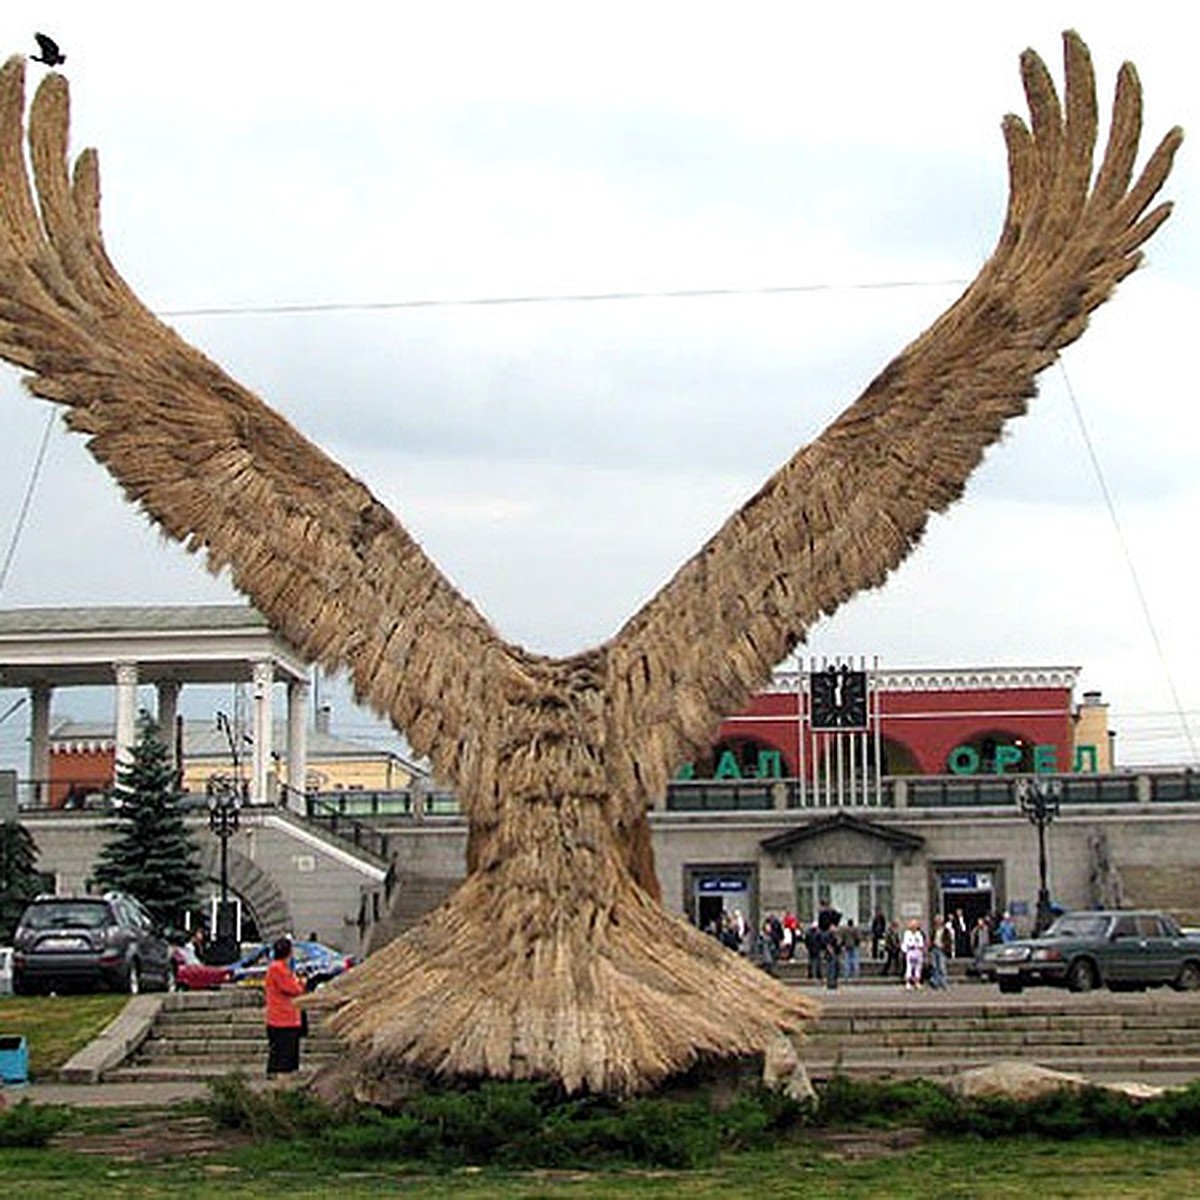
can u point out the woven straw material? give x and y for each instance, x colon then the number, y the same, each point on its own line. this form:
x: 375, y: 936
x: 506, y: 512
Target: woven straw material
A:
x: 555, y: 959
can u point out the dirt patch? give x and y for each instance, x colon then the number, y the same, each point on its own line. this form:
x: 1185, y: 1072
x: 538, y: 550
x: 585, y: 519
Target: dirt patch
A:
x: 153, y: 1138
x: 856, y: 1145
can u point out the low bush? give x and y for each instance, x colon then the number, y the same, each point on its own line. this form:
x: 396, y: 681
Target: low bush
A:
x: 233, y: 1104
x: 518, y: 1124
x: 843, y: 1101
x: 31, y: 1125
x: 1067, y: 1112
x: 524, y: 1124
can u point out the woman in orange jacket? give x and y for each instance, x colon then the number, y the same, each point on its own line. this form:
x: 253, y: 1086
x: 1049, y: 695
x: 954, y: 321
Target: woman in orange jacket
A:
x: 284, y: 1020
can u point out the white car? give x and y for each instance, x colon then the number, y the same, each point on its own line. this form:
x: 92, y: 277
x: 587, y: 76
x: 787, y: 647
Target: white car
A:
x: 6, y: 970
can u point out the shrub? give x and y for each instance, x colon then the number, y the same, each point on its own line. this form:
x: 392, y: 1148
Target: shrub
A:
x: 1067, y: 1112
x: 525, y: 1124
x: 32, y: 1125
x: 234, y: 1104
x: 846, y: 1101
x: 516, y: 1124
x: 757, y: 1118
x: 532, y: 1125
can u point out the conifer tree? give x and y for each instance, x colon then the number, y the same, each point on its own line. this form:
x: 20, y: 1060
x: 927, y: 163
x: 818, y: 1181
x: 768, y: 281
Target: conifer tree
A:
x: 153, y: 856
x: 19, y: 877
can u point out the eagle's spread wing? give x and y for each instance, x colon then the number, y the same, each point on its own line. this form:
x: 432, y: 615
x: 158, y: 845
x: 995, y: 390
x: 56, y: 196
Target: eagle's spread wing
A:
x: 848, y: 507
x: 319, y: 556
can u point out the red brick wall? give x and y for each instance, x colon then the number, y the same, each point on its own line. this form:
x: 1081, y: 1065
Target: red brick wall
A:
x: 86, y: 770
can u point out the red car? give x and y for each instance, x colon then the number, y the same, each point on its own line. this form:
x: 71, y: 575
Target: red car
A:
x: 195, y: 976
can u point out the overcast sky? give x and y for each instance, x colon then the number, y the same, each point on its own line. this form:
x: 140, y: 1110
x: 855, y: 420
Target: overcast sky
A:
x: 560, y: 460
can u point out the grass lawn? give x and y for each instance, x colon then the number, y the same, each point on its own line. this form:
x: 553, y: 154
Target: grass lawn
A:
x: 55, y: 1027
x: 940, y: 1168
x: 178, y: 1151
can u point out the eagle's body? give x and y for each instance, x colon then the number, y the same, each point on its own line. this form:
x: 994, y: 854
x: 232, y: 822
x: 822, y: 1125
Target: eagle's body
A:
x: 554, y: 959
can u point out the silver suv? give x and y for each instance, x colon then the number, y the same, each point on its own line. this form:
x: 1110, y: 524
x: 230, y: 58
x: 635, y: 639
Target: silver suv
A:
x: 68, y: 943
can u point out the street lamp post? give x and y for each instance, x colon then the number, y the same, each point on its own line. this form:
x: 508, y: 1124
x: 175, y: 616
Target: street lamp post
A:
x: 1039, y: 797
x: 224, y: 802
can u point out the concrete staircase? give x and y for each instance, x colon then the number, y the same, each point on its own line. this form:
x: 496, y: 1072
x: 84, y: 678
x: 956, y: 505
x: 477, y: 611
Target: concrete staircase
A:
x: 865, y: 1031
x: 209, y: 1034
x: 868, y: 1033
x: 415, y: 896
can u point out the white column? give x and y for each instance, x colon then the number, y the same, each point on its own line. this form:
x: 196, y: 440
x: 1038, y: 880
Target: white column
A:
x: 168, y: 710
x: 297, y: 742
x: 264, y: 678
x: 126, y: 710
x: 39, y: 742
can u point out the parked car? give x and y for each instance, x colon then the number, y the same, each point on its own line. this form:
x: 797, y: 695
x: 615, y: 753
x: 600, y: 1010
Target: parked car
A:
x: 6, y: 970
x: 313, y: 962
x: 1085, y: 950
x: 196, y: 976
x: 65, y: 943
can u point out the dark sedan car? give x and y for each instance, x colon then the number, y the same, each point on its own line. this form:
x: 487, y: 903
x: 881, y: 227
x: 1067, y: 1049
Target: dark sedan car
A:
x: 1085, y: 950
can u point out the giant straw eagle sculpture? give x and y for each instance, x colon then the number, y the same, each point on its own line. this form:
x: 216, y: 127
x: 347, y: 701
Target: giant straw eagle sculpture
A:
x: 554, y: 959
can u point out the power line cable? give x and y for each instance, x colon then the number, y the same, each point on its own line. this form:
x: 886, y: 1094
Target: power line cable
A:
x: 232, y: 310
x: 1179, y: 711
x: 27, y: 500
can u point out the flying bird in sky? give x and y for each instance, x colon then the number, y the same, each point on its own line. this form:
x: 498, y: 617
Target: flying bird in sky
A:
x: 554, y: 959
x: 51, y: 55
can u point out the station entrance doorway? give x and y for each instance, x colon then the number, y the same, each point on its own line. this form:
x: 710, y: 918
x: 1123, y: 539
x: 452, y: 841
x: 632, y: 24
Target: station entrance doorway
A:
x: 970, y: 890
x: 719, y: 892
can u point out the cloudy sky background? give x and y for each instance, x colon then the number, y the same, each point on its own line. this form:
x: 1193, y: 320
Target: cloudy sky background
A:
x: 560, y: 460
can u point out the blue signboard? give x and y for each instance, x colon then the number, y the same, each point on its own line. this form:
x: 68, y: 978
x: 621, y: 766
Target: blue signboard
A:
x: 960, y: 881
x: 721, y: 884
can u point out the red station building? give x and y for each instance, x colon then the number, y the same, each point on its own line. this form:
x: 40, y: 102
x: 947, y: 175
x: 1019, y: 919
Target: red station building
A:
x: 1003, y: 720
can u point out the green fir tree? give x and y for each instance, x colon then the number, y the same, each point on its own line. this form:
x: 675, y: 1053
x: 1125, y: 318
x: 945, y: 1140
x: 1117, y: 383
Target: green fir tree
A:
x: 153, y: 856
x: 20, y: 880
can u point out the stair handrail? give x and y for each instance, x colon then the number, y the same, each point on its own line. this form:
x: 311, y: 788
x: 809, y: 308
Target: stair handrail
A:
x: 359, y: 834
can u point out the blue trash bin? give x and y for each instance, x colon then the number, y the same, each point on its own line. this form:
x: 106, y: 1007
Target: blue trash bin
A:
x: 14, y: 1059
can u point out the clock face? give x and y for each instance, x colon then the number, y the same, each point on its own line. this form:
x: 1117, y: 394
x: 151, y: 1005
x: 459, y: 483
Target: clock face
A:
x: 838, y: 699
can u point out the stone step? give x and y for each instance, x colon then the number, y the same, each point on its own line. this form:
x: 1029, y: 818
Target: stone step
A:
x: 173, y: 1023
x: 202, y: 1071
x: 1042, y: 1019
x: 182, y: 1025
x: 225, y: 999
x: 1001, y: 1038
x: 1145, y: 1068
x: 850, y: 1050
x: 239, y: 1054
x: 160, y: 1048
x: 970, y: 1027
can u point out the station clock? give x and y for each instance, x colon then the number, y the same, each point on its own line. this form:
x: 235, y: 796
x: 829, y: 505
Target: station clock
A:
x: 837, y: 699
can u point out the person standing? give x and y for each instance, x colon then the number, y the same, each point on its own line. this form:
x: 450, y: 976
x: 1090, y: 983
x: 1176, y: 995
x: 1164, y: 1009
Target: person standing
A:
x: 891, y: 951
x: 831, y: 955
x: 912, y: 946
x: 940, y: 949
x: 285, y: 1022
x: 981, y: 938
x: 878, y: 932
x: 192, y: 952
x: 851, y: 944
x: 962, y: 935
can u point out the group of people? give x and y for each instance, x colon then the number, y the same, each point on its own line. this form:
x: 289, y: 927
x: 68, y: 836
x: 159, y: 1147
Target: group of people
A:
x: 834, y: 947
x: 920, y: 957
